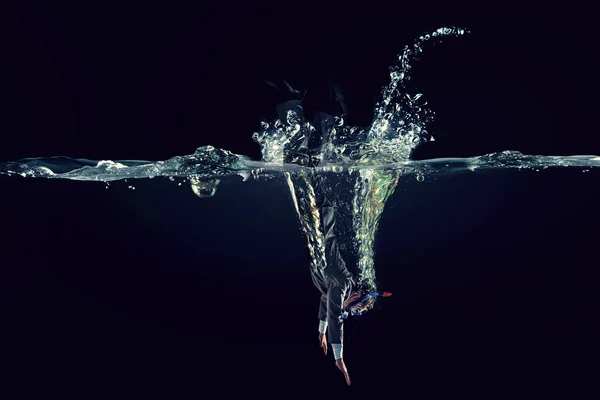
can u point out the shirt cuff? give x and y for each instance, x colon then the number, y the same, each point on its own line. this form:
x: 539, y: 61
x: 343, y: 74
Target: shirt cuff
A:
x: 337, y: 350
x: 322, y: 326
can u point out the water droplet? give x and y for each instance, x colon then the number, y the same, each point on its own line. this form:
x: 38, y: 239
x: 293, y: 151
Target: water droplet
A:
x: 397, y: 76
x: 420, y: 177
x: 131, y: 187
x: 171, y: 179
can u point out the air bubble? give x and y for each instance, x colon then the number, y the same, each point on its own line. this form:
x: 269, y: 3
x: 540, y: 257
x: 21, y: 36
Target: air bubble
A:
x: 256, y: 173
x: 206, y: 188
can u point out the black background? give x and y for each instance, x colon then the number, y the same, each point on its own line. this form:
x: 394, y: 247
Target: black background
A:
x: 155, y: 291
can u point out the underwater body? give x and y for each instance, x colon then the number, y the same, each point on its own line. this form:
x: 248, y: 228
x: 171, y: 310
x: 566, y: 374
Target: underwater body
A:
x: 361, y: 166
x: 370, y: 175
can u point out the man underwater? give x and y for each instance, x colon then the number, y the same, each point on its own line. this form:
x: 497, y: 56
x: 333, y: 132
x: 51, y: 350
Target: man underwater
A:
x: 341, y: 293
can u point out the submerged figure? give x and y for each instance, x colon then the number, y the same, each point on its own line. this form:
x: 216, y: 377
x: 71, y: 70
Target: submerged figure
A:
x: 342, y: 291
x: 341, y: 294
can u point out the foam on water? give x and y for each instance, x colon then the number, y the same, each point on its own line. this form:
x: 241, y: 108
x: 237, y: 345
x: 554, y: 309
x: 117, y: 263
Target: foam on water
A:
x: 208, y: 163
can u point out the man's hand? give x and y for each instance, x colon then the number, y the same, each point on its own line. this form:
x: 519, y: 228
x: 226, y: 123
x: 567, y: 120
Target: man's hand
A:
x: 342, y: 367
x: 323, y: 342
x: 353, y: 297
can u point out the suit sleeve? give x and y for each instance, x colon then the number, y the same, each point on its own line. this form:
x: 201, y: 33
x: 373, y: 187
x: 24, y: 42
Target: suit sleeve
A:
x: 323, y: 314
x: 336, y: 294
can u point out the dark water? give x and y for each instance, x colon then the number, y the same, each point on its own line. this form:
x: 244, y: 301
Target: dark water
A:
x: 154, y: 290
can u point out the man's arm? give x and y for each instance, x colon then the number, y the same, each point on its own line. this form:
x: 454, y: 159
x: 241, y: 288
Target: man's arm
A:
x: 336, y: 294
x: 323, y: 313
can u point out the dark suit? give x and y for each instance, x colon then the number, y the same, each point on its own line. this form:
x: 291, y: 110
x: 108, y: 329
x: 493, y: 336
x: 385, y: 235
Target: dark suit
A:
x: 332, y: 277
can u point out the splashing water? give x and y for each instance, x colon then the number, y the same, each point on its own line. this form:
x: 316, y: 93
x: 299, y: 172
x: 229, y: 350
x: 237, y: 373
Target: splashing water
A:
x: 360, y: 166
x: 398, y: 127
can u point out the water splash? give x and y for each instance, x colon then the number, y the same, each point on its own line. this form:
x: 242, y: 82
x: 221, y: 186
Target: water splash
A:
x: 401, y: 118
x: 399, y: 124
x: 372, y: 190
x: 361, y: 166
x: 303, y: 197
